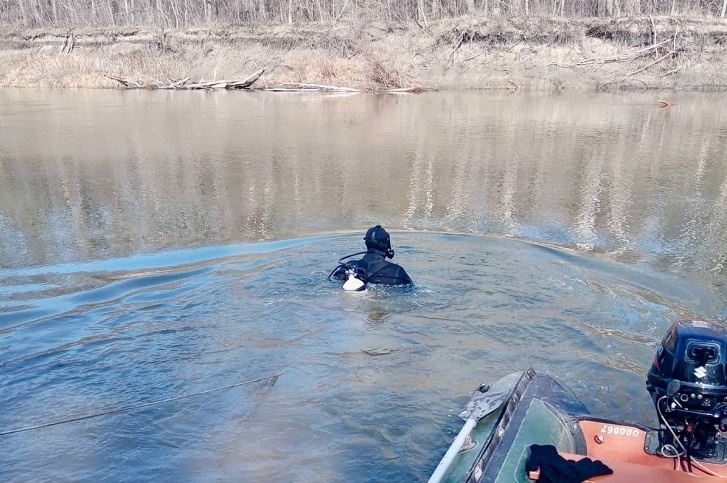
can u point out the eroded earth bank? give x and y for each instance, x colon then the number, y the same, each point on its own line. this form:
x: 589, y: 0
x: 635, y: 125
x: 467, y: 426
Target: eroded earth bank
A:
x: 524, y: 53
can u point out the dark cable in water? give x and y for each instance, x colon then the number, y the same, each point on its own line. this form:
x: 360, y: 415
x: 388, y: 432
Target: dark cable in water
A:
x: 341, y: 264
x: 274, y: 377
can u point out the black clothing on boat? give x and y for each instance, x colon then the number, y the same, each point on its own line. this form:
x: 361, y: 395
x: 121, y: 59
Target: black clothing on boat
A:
x: 377, y: 269
x: 556, y: 469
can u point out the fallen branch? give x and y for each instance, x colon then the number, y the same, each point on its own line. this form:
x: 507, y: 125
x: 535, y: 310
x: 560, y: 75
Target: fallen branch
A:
x: 409, y: 90
x: 299, y: 86
x: 184, y: 83
x: 640, y: 69
x: 461, y: 39
x: 648, y: 65
x: 625, y: 57
x: 228, y: 84
x: 178, y: 84
x: 128, y: 83
x: 671, y: 72
x: 69, y: 43
x: 250, y: 80
x: 471, y: 57
x: 289, y: 89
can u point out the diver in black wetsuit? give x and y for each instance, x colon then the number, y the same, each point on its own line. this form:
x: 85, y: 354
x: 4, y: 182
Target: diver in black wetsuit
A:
x: 373, y: 267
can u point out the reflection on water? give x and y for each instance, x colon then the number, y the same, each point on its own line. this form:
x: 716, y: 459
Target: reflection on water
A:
x: 160, y: 244
x: 89, y: 174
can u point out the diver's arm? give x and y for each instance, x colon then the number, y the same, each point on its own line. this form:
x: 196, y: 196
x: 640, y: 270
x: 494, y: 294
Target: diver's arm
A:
x: 403, y: 276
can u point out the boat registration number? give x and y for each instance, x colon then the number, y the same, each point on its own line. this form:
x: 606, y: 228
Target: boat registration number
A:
x: 620, y: 430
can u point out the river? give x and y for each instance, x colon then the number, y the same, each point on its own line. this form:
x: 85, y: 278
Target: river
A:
x: 163, y: 264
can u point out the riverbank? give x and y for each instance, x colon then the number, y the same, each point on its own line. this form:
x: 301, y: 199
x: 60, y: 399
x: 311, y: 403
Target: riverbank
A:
x: 480, y: 53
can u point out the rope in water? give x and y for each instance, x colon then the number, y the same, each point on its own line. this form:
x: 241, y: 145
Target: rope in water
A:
x: 274, y: 378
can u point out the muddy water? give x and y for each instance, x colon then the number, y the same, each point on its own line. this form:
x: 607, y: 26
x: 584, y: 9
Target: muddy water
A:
x: 157, y: 245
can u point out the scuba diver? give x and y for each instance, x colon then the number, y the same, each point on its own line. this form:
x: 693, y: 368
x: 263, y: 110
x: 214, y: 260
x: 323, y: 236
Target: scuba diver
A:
x: 373, y: 267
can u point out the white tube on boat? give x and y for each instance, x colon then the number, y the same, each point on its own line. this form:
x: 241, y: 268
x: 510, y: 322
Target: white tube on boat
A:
x: 451, y: 453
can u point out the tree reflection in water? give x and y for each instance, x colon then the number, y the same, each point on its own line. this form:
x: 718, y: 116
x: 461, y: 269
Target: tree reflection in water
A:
x: 89, y: 174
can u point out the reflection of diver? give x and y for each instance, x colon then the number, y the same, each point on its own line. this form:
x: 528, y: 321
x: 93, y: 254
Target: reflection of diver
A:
x: 373, y: 267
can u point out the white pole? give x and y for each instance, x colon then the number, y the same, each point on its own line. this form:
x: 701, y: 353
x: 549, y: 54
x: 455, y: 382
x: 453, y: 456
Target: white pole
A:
x: 451, y: 453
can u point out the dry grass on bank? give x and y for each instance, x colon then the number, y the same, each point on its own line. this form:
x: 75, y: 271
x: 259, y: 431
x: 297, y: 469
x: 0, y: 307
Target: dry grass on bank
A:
x: 503, y: 53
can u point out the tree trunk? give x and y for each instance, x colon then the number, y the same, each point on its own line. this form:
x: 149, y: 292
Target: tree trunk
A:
x: 633, y: 7
x: 38, y: 14
x: 470, y: 6
x: 25, y: 19
x: 724, y: 8
x: 54, y: 9
x: 111, y: 13
x: 175, y: 11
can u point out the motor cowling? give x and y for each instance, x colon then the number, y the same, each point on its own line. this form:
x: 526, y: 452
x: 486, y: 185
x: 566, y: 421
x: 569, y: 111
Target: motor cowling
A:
x: 694, y: 353
x: 688, y: 384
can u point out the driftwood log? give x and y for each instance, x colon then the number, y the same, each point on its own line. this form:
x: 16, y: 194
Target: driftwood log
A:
x: 303, y: 87
x: 172, y: 84
x: 410, y: 90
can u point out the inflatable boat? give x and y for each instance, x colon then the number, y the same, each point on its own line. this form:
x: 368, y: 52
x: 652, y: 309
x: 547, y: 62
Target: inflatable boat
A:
x: 528, y: 427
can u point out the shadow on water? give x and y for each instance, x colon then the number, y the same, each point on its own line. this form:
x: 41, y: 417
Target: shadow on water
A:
x: 369, y: 380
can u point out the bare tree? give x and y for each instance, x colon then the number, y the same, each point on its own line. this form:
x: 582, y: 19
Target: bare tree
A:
x: 21, y: 3
x: 179, y: 14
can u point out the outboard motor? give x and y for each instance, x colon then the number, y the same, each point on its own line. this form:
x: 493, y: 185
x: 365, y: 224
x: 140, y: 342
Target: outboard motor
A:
x: 688, y: 384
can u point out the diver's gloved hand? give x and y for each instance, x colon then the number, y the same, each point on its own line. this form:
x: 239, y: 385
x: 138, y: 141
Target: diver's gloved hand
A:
x: 556, y: 469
